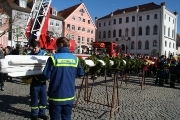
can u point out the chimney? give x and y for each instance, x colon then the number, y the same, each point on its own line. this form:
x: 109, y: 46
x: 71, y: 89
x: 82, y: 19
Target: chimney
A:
x: 163, y: 4
x: 175, y: 13
x: 111, y: 14
x: 137, y: 9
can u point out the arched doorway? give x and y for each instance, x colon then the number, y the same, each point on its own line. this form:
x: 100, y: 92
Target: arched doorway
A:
x: 154, y: 52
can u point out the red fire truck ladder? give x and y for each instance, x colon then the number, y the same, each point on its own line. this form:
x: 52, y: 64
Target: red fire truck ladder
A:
x: 37, y: 19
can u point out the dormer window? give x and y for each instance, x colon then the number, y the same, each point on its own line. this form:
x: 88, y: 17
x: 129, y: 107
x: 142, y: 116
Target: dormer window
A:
x: 23, y: 3
x: 54, y: 11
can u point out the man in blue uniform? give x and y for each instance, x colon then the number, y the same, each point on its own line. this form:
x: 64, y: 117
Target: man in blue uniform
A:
x: 38, y: 89
x: 62, y: 69
x: 160, y: 71
x: 173, y: 72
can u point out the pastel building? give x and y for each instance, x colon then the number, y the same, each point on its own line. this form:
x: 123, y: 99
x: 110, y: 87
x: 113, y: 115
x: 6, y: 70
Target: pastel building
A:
x: 79, y: 26
x: 3, y: 27
x: 143, y: 29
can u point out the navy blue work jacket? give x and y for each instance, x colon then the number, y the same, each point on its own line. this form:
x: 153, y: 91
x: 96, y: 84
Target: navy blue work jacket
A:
x: 62, y: 69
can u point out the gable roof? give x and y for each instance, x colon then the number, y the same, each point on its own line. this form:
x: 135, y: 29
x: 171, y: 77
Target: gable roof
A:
x: 66, y: 12
x: 144, y: 7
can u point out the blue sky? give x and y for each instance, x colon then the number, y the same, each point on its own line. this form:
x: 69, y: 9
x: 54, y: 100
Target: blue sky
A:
x: 101, y: 8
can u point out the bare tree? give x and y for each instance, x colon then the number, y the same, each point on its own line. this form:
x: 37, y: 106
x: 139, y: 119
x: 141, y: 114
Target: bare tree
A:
x: 10, y: 21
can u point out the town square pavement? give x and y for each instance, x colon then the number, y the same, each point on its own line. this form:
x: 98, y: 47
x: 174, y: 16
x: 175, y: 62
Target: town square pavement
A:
x: 151, y: 103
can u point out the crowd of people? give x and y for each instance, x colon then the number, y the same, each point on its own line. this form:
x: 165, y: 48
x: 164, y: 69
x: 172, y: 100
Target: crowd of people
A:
x: 165, y: 70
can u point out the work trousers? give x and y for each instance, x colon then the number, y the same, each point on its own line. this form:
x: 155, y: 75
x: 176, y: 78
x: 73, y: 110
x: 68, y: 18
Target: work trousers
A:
x: 160, y: 77
x: 1, y: 80
x: 38, y: 93
x: 173, y: 80
x: 58, y: 112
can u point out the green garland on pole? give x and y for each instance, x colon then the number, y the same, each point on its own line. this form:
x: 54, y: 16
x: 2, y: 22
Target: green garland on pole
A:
x: 136, y: 63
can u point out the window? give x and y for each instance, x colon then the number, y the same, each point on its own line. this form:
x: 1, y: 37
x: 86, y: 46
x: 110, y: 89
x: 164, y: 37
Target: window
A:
x: 173, y: 45
x: 120, y: 20
x: 79, y: 39
x: 169, y: 32
x: 120, y: 32
x: 172, y: 33
x: 114, y: 33
x: 140, y: 18
x: 109, y: 22
x: 84, y: 20
x: 155, y: 31
x: 89, y: 22
x: 169, y: 44
x: 82, y: 10
x: 165, y: 16
x: 139, y: 45
x: 104, y: 34
x: 140, y: 30
x: 92, y: 40
x: 68, y: 26
x: 74, y: 17
x: 165, y: 43
x: 73, y: 37
x: 57, y: 24
x: 126, y: 32
x: 173, y: 21
x: 127, y: 19
x: 73, y: 27
x: 88, y: 41
x: 88, y: 31
x: 155, y: 16
x: 148, y: 17
x: 99, y: 34
x: 0, y: 22
x: 132, y: 45
x: 147, y: 30
x: 79, y: 28
x: 68, y: 36
x: 104, y: 23
x: 92, y: 31
x: 109, y: 34
x: 25, y: 17
x: 23, y: 3
x: 51, y: 23
x: 154, y: 43
x: 147, y: 44
x: 79, y: 18
x: 114, y: 22
x: 133, y: 31
x: 99, y: 24
x: 83, y: 29
x: 83, y: 40
x: 133, y: 18
x: 54, y: 12
x: 169, y: 19
x: 164, y: 30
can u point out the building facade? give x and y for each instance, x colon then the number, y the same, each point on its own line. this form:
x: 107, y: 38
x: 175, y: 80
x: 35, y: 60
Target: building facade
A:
x: 19, y: 11
x: 3, y: 27
x: 145, y: 29
x: 79, y: 26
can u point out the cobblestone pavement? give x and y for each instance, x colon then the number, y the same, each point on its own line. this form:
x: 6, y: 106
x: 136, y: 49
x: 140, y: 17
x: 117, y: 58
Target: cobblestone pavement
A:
x: 152, y: 103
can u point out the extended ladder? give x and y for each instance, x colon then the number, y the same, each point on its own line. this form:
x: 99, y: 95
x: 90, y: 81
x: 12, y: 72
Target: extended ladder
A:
x: 36, y: 19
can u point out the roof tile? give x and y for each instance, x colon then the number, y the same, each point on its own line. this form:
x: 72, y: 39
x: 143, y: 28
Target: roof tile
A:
x: 144, y: 7
x: 66, y: 12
